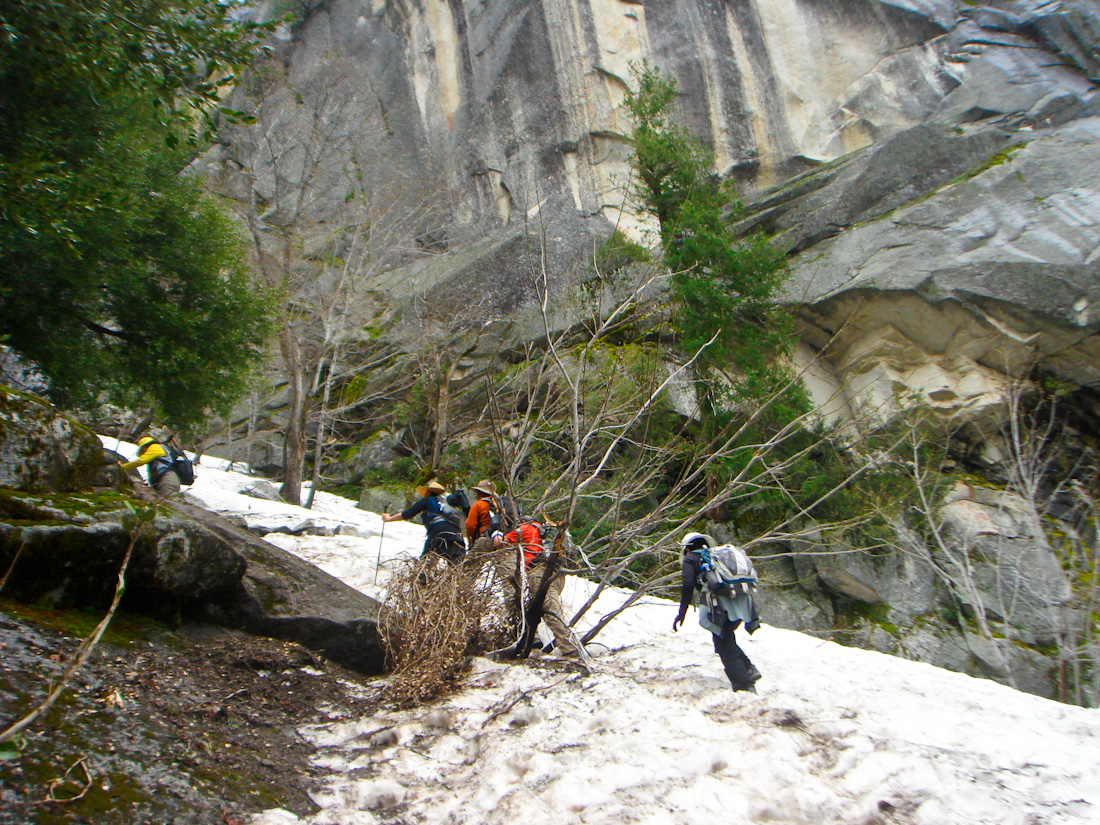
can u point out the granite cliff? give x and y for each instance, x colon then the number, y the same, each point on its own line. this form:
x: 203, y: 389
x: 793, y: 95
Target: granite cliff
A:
x: 932, y: 168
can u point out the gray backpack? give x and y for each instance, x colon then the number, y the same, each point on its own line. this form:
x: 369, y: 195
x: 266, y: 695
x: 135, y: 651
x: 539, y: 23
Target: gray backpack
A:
x: 727, y: 571
x: 443, y: 517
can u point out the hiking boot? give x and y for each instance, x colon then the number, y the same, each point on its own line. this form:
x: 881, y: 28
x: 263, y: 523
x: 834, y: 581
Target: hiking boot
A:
x: 752, y: 673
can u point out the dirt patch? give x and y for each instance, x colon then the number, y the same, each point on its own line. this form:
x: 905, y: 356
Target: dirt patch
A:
x: 163, y: 726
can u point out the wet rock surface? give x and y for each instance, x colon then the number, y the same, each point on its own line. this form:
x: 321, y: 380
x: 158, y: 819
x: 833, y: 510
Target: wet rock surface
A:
x: 163, y: 726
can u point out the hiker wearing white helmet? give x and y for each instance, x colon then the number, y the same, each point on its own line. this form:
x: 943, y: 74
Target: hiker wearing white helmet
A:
x: 726, y: 602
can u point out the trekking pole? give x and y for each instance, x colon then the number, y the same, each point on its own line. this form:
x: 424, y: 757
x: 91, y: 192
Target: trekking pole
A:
x: 378, y: 561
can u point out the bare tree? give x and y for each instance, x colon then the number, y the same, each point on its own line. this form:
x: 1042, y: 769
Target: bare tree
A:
x: 587, y: 428
x: 381, y: 227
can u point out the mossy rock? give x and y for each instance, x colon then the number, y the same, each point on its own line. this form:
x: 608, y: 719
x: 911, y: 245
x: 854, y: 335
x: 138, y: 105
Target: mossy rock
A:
x: 41, y: 450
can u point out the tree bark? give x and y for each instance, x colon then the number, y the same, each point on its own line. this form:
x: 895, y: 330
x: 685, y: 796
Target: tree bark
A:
x: 442, y: 424
x: 319, y: 447
x: 294, y: 446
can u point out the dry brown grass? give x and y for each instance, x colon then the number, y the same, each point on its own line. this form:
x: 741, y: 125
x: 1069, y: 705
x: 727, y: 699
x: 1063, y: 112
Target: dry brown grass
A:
x: 436, y: 616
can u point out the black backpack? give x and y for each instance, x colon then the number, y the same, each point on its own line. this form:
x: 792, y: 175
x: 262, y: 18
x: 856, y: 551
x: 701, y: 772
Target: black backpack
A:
x: 183, y: 466
x: 505, y: 515
x: 460, y: 500
x: 177, y: 461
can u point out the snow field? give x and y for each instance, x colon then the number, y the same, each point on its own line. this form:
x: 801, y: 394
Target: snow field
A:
x: 836, y: 736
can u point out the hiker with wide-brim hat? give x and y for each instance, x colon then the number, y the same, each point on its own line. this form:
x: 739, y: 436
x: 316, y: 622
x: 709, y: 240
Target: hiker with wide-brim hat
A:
x: 442, y: 521
x: 478, y: 519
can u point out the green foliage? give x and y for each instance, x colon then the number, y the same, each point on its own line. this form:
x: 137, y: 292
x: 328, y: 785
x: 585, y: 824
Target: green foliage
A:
x: 395, y: 478
x: 415, y: 408
x: 118, y: 279
x: 725, y: 285
x: 182, y: 52
x: 466, y: 463
x: 138, y: 515
x: 618, y: 251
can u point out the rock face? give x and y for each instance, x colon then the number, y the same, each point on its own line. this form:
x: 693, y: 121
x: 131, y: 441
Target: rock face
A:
x: 64, y: 548
x: 965, y: 290
x: 188, y: 563
x: 931, y: 166
x: 42, y: 450
x: 517, y: 104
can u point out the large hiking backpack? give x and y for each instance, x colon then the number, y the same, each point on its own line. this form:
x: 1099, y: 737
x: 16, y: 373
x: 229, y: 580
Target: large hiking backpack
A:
x: 460, y: 500
x: 505, y: 515
x: 177, y: 461
x: 727, y: 571
x: 183, y: 466
x: 444, y: 517
x: 444, y: 523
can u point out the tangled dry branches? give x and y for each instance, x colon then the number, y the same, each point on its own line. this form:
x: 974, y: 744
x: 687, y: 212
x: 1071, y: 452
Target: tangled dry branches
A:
x: 436, y: 615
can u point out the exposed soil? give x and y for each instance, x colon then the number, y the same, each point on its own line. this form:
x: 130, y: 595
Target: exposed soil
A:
x: 162, y: 726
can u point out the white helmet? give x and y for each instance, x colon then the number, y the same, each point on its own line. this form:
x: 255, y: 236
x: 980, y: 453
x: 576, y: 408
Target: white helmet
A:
x: 692, y: 538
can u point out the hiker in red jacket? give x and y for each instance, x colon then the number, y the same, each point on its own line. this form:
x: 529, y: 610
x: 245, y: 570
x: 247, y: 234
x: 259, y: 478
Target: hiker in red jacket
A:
x: 529, y: 539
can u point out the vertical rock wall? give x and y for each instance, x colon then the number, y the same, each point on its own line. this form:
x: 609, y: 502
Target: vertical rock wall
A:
x: 517, y: 103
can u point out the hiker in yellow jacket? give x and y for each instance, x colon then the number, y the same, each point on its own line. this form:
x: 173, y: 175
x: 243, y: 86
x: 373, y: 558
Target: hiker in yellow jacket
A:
x: 162, y: 477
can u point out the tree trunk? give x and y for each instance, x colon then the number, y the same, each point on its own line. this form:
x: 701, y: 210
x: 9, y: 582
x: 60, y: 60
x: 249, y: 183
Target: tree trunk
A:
x: 441, y: 422
x: 294, y: 446
x: 319, y: 447
x: 143, y: 425
x: 250, y: 433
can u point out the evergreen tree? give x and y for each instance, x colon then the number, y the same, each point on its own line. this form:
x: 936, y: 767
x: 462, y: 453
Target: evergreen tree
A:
x: 725, y: 286
x: 118, y: 276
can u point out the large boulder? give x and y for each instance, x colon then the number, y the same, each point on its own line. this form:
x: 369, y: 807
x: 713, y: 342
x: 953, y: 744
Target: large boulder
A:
x: 66, y: 552
x: 283, y: 597
x: 41, y: 449
x: 62, y: 544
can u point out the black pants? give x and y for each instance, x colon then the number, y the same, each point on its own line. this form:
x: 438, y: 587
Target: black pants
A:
x: 450, y: 546
x: 741, y: 672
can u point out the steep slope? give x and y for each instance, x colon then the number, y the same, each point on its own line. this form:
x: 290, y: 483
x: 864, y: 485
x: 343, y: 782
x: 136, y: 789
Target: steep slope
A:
x: 653, y: 734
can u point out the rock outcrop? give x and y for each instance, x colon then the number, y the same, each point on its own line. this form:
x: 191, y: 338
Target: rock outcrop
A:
x: 40, y: 449
x: 64, y: 548
x: 949, y: 299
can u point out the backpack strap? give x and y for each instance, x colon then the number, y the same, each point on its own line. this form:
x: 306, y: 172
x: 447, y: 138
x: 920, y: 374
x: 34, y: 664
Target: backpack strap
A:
x: 439, y: 519
x: 706, y: 564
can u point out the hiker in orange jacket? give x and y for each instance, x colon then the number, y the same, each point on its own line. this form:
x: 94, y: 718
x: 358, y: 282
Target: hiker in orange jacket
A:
x: 478, y: 520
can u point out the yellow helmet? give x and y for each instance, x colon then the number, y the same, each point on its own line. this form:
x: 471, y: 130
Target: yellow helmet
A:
x: 144, y: 440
